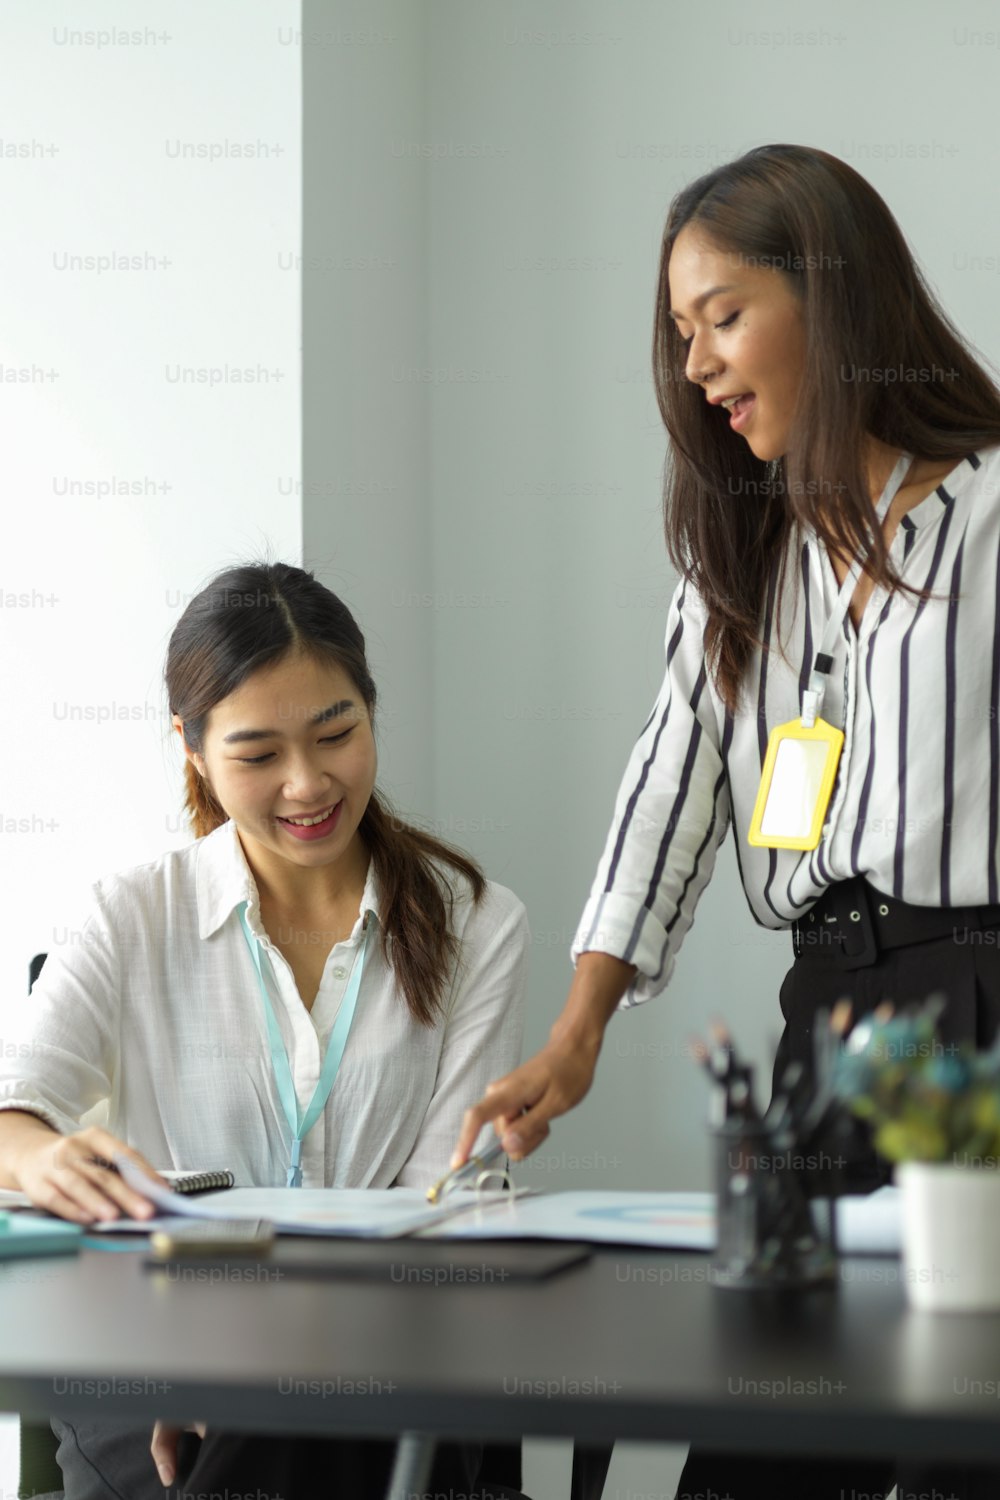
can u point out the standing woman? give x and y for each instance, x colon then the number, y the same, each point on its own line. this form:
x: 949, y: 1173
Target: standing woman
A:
x: 213, y: 991
x: 820, y: 408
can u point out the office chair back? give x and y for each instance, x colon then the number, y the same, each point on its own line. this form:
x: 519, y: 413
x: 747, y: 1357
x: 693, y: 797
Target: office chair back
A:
x: 39, y: 1474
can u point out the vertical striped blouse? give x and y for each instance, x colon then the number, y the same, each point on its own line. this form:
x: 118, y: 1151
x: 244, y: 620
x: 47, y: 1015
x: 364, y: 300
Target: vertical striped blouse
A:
x: 916, y: 802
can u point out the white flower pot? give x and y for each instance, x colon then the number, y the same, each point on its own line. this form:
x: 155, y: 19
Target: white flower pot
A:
x: 950, y: 1235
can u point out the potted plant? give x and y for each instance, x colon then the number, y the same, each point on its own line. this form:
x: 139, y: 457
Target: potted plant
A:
x: 934, y: 1110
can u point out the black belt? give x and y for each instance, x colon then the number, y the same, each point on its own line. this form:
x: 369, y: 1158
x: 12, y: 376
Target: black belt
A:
x: 852, y: 923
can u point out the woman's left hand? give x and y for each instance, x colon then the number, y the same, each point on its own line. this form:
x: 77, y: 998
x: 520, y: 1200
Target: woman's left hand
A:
x: 164, y: 1448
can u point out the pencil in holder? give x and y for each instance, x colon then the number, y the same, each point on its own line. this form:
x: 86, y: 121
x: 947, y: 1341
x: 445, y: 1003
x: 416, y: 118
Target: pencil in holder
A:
x: 770, y: 1233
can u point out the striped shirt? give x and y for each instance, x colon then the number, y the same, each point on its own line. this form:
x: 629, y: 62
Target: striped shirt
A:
x: 916, y: 802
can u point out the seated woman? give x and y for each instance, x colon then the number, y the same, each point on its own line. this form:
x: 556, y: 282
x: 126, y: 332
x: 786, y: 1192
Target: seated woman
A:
x: 298, y: 870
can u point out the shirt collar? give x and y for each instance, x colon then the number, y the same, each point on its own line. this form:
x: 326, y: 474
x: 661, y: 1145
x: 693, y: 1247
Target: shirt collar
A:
x: 224, y: 879
x: 934, y: 505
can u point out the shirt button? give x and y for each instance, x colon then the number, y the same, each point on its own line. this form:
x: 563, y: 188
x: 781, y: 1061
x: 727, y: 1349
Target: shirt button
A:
x: 339, y: 972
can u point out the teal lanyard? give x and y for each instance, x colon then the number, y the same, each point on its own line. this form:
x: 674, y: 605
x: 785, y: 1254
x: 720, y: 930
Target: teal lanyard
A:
x: 300, y: 1125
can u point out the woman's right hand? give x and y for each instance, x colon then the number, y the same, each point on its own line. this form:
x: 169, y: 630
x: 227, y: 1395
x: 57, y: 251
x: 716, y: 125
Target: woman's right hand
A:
x: 59, y: 1173
x: 523, y: 1102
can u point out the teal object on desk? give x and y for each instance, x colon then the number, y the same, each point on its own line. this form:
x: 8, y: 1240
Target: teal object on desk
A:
x: 21, y: 1235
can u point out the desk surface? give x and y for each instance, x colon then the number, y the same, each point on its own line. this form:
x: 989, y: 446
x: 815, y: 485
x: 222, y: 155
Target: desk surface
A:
x: 633, y: 1345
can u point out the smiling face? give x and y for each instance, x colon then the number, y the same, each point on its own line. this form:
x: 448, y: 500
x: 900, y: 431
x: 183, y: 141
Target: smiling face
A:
x: 294, y: 741
x: 746, y: 339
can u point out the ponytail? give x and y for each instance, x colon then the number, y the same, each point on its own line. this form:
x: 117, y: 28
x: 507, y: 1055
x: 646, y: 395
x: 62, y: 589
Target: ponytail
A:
x: 205, y: 814
x: 418, y: 940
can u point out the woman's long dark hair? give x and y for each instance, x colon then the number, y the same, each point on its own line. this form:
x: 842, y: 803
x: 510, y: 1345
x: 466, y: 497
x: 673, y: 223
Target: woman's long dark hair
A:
x: 867, y: 313
x: 252, y: 616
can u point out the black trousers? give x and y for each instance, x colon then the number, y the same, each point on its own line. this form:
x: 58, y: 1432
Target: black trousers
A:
x: 105, y: 1460
x: 965, y: 968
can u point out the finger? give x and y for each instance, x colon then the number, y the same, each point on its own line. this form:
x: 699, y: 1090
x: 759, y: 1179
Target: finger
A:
x: 505, y: 1098
x: 502, y: 1126
x: 113, y: 1196
x: 55, y: 1201
x: 524, y: 1132
x: 473, y: 1121
x: 507, y: 1129
x: 79, y: 1180
x: 103, y: 1143
x: 163, y: 1447
x: 98, y: 1142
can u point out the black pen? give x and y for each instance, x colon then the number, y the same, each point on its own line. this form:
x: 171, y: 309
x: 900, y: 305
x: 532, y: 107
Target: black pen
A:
x: 718, y: 1099
x: 723, y: 1052
x: 779, y: 1112
x: 733, y: 1098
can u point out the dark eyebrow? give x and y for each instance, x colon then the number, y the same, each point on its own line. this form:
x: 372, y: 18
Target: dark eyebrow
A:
x: 699, y: 302
x: 241, y: 736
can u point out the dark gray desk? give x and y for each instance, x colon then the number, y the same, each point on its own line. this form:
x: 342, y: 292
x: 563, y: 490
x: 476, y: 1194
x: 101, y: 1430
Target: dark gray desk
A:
x: 634, y: 1345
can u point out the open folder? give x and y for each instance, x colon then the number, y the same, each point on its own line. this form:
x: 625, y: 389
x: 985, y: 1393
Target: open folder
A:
x: 679, y: 1221
x: 369, y: 1213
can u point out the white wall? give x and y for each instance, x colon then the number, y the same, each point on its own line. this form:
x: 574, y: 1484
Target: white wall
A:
x: 366, y: 430
x: 126, y: 486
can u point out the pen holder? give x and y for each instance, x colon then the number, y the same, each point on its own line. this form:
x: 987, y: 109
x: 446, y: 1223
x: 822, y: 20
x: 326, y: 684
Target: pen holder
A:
x: 770, y: 1234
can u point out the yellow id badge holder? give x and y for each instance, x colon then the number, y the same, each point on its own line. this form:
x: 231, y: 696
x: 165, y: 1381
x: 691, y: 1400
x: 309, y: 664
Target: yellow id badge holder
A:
x: 800, y: 765
x: 800, y: 768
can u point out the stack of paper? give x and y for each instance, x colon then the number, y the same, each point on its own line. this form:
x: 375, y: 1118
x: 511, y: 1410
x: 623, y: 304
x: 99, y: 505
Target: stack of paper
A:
x: 677, y: 1221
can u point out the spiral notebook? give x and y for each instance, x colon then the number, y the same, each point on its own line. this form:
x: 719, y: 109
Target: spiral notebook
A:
x: 198, y: 1182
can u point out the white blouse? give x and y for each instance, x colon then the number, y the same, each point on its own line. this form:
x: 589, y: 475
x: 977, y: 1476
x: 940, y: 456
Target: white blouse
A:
x: 916, y: 804
x: 157, y: 1010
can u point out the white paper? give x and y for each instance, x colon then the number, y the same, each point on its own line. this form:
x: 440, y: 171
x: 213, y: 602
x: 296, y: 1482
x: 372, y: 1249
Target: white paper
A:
x: 870, y: 1225
x: 683, y: 1221
x: 369, y: 1213
x: 10, y: 1198
x: 866, y: 1225
x: 676, y: 1221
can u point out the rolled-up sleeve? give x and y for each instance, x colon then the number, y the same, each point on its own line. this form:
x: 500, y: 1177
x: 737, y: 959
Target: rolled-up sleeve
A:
x: 671, y: 814
x: 483, y: 1031
x: 59, y: 1058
